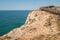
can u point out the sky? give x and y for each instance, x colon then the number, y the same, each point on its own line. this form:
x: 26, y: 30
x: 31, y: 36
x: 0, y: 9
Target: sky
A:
x: 26, y: 4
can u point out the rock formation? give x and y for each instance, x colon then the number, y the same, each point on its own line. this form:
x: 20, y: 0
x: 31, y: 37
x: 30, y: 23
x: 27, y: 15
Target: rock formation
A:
x: 41, y: 24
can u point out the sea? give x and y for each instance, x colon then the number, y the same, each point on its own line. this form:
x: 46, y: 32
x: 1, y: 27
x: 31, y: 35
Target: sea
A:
x: 11, y: 19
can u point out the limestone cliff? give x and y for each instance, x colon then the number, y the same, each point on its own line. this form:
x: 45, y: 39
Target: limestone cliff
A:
x: 40, y: 25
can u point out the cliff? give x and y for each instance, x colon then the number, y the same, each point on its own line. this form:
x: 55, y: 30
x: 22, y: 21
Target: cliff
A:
x: 41, y: 24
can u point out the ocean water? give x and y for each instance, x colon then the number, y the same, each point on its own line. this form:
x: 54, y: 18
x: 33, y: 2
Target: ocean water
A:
x: 12, y: 19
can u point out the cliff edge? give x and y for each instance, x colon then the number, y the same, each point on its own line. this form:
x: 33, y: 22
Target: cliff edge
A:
x: 41, y: 24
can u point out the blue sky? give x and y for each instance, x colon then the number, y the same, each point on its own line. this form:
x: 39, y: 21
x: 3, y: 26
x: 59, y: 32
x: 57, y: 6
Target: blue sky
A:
x: 26, y: 4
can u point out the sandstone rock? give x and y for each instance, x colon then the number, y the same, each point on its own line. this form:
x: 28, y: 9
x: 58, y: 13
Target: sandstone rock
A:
x: 40, y: 25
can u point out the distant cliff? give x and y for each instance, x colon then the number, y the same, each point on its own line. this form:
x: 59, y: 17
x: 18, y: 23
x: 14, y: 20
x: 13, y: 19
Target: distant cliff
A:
x: 41, y: 24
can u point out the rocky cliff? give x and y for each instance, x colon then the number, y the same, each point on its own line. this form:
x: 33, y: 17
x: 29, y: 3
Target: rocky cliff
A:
x: 41, y: 24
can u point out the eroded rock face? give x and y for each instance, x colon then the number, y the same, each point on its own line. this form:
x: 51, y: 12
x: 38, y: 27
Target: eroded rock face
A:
x: 40, y: 25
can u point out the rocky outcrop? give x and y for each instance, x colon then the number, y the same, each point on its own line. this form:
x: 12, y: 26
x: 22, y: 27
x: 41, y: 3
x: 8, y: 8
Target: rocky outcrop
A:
x: 40, y: 25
